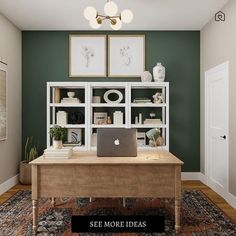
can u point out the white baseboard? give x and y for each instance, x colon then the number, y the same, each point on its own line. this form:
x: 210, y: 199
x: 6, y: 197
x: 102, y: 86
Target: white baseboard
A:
x: 193, y: 176
x: 231, y: 199
x: 9, y: 184
x: 202, y: 178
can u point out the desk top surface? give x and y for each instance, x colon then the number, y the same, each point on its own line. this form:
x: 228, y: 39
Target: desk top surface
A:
x: 144, y: 157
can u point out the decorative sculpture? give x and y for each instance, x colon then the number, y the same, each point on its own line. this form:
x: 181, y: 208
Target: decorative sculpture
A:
x: 158, y: 98
x: 113, y: 91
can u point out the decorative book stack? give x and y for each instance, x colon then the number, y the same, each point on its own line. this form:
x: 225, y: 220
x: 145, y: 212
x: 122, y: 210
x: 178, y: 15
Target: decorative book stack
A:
x: 70, y: 100
x: 64, y: 153
x: 152, y: 121
x: 142, y: 100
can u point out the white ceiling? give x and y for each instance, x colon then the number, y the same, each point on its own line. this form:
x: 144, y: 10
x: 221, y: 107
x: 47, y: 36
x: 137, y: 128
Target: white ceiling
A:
x: 148, y: 14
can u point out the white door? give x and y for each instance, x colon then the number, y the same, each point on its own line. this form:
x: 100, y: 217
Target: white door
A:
x: 216, y: 128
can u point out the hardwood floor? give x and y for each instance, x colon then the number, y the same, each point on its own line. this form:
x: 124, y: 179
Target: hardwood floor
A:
x: 213, y: 196
x: 12, y: 191
x: 219, y: 201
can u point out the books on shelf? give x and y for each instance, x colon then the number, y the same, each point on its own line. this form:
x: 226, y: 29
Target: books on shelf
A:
x: 65, y: 152
x: 142, y: 100
x: 72, y: 144
x: 70, y: 100
x: 141, y: 139
x: 152, y: 121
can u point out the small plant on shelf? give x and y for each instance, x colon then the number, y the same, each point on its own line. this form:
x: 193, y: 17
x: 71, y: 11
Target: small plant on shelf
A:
x: 30, y: 154
x: 58, y: 134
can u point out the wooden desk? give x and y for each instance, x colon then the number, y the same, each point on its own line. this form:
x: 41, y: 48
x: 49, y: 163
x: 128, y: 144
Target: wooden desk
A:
x: 151, y: 174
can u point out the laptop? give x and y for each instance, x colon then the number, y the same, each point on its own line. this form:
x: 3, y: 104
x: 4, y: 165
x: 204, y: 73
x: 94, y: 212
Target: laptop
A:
x: 116, y: 142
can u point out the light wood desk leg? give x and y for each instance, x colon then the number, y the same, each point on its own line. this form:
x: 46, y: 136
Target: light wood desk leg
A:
x: 35, y: 216
x: 35, y: 197
x: 177, y: 198
x: 53, y: 201
x: 124, y: 202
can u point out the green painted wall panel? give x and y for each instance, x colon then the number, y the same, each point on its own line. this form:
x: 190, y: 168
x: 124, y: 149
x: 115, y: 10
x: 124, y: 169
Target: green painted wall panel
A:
x: 45, y: 58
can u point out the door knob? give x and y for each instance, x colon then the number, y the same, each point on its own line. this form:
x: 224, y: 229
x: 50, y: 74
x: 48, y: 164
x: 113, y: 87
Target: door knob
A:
x: 224, y: 137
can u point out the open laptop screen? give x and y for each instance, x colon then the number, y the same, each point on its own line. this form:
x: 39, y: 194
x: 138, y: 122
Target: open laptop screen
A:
x: 116, y: 142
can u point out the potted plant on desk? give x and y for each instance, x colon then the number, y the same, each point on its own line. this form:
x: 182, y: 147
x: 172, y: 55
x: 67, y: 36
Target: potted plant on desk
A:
x: 25, y: 168
x: 58, y: 134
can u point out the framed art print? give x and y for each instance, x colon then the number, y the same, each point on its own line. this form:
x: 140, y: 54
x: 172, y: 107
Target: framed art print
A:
x: 74, y: 136
x: 3, y: 104
x: 87, y: 55
x: 126, y: 55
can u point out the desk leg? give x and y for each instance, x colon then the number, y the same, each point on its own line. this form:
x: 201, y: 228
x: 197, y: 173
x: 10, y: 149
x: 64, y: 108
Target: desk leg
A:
x: 35, y: 216
x: 124, y: 202
x: 53, y: 201
x: 177, y: 198
x: 35, y: 197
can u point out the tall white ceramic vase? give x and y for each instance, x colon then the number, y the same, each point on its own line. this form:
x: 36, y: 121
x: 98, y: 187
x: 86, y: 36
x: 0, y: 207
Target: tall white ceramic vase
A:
x: 159, y: 72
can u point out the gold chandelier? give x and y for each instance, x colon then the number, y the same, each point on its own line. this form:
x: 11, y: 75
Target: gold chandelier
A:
x: 110, y: 8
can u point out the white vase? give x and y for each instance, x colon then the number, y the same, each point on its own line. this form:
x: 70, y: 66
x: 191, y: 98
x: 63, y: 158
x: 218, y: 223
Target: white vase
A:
x: 146, y: 76
x: 62, y: 118
x: 57, y: 144
x: 159, y: 73
x: 70, y: 94
x: 118, y: 118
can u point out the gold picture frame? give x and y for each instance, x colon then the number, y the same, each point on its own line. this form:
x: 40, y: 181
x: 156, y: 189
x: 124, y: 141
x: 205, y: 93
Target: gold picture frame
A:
x: 118, y: 61
x: 89, y: 50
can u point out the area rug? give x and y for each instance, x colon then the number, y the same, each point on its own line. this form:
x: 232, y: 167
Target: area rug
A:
x: 200, y: 217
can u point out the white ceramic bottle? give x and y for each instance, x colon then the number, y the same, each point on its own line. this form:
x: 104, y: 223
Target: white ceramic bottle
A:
x: 140, y: 120
x: 159, y: 72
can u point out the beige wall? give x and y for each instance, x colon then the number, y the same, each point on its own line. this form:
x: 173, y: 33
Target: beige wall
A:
x: 218, y: 44
x: 10, y: 51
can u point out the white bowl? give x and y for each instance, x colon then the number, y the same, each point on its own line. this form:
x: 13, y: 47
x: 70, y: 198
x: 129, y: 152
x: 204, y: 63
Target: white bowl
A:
x: 70, y: 94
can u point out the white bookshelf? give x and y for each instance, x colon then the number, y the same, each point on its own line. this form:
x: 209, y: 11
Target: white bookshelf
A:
x: 127, y: 106
x: 72, y: 126
x: 108, y: 126
x: 67, y: 104
x: 108, y: 105
x: 147, y: 105
x: 150, y: 126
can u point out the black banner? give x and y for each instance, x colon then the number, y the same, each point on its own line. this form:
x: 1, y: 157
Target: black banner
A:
x: 117, y: 224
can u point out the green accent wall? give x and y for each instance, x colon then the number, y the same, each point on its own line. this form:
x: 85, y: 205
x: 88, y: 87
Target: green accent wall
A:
x: 45, y: 58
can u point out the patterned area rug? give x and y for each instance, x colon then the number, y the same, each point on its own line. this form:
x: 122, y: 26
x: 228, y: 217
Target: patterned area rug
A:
x: 200, y: 217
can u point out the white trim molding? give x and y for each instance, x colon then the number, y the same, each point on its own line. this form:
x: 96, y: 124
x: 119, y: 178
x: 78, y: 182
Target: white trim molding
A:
x: 193, y: 176
x: 5, y: 186
x: 231, y: 199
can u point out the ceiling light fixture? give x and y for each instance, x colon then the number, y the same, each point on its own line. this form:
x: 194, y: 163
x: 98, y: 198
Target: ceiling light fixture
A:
x: 95, y: 19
